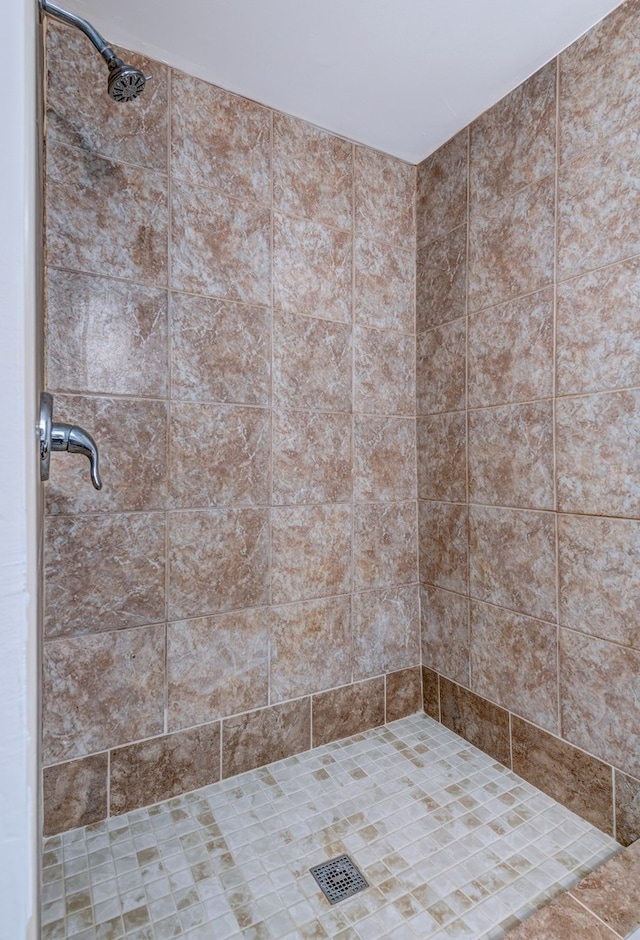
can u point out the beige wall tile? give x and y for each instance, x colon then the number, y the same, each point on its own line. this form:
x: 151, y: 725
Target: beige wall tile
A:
x: 599, y: 689
x: 513, y: 560
x: 219, y: 456
x: 105, y: 335
x: 101, y: 691
x: 442, y: 457
x: 431, y: 693
x: 263, y: 736
x: 511, y: 351
x: 220, y: 140
x: 385, y: 544
x: 441, y: 368
x: 514, y: 662
x: 478, y: 721
x: 578, y: 781
x: 611, y: 892
x: 627, y: 795
x: 312, y: 363
x: 511, y: 456
x: 384, y: 198
x: 442, y: 189
x: 346, y: 711
x: 218, y: 560
x: 220, y: 351
x: 384, y: 380
x: 403, y: 693
x: 386, y: 631
x: 310, y: 647
x: 217, y: 666
x: 310, y: 552
x: 103, y: 572
x: 312, y: 460
x: 85, y: 117
x: 86, y: 193
x: 75, y: 794
x: 312, y: 269
x: 444, y: 535
x: 131, y: 435
x: 384, y: 286
x: 219, y: 246
x: 384, y: 458
x: 444, y: 620
x: 441, y: 279
x: 598, y: 454
x: 312, y: 172
x: 164, y: 767
x: 563, y: 917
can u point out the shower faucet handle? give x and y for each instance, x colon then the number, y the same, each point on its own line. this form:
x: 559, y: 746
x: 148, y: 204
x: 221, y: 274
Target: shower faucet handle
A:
x: 55, y: 435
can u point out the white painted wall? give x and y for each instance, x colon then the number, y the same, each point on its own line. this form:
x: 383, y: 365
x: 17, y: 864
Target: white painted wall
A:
x: 19, y: 824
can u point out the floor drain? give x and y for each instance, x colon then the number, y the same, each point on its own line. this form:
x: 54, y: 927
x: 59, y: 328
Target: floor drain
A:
x: 339, y: 878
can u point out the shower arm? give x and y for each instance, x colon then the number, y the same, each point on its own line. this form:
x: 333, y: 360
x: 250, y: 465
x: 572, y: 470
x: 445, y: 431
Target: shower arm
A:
x: 72, y: 19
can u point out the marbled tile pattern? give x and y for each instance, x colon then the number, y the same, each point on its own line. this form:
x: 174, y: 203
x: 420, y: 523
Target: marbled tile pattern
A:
x: 451, y: 843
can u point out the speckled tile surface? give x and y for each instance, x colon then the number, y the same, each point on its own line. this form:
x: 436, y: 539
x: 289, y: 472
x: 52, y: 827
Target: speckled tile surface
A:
x: 452, y: 844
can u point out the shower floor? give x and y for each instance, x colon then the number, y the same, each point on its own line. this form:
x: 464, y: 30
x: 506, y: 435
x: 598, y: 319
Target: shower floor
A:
x: 453, y: 845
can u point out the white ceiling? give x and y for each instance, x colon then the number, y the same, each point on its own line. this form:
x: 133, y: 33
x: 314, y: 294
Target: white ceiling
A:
x: 399, y: 75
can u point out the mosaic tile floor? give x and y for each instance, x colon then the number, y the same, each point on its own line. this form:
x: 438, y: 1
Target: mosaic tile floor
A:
x: 452, y: 844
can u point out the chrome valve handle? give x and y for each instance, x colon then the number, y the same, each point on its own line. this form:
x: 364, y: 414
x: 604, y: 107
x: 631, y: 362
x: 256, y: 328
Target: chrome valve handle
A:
x: 55, y: 435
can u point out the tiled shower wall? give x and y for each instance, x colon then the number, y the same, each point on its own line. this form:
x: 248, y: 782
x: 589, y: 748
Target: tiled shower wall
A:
x: 230, y: 312
x: 528, y: 391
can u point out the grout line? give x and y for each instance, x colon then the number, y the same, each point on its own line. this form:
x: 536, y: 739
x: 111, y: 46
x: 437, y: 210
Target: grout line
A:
x: 554, y: 368
x: 466, y: 405
x: 614, y: 814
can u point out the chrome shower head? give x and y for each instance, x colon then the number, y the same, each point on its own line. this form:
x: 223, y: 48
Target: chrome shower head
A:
x: 126, y: 82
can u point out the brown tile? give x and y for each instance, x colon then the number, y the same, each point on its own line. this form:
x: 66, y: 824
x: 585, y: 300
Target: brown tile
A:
x: 264, y: 736
x: 103, y: 572
x: 218, y: 560
x: 234, y: 471
x: 220, y: 351
x: 316, y: 633
x: 431, y: 693
x: 442, y: 189
x: 80, y: 114
x: 597, y: 454
x: 403, y: 693
x: 311, y: 269
x: 86, y: 193
x: 312, y: 172
x: 627, y: 797
x: 384, y: 372
x: 441, y: 280
x: 444, y: 533
x: 561, y: 919
x: 156, y: 770
x: 100, y: 691
x: 445, y: 633
x: 598, y: 201
x: 511, y: 455
x: 312, y: 363
x: 219, y: 246
x: 482, y: 724
x: 598, y: 320
x: 310, y: 552
x: 511, y: 245
x: 311, y: 457
x: 442, y: 457
x: 105, y: 335
x: 217, y: 666
x: 384, y: 280
x: 346, y: 711
x: 386, y: 631
x: 131, y: 435
x: 576, y: 780
x: 599, y: 689
x: 384, y: 198
x: 384, y: 456
x: 599, y: 564
x: 513, y: 144
x: 611, y: 892
x: 220, y: 141
x: 385, y: 545
x: 511, y: 351
x: 514, y: 662
x: 75, y: 794
x: 513, y: 560
x: 598, y: 93
x: 440, y: 368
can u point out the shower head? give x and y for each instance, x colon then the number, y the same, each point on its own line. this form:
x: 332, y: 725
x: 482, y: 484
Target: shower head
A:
x: 125, y: 82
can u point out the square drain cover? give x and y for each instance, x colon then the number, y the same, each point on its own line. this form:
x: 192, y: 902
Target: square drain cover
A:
x: 339, y: 878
